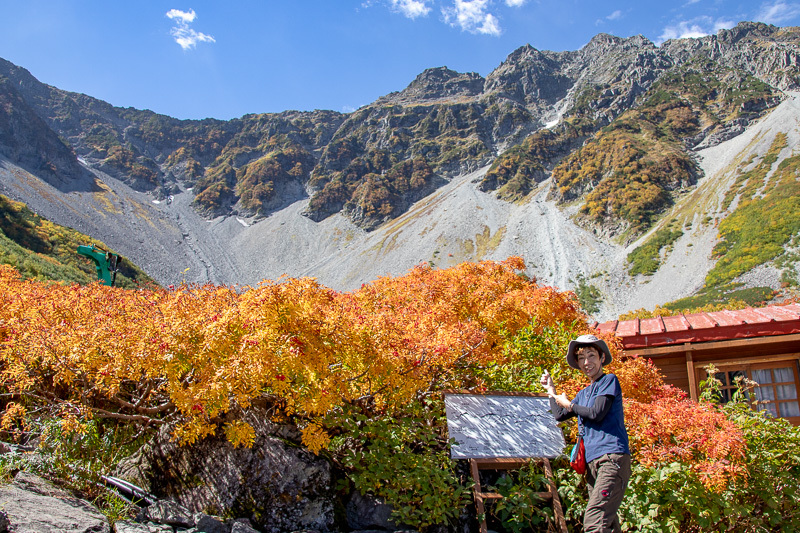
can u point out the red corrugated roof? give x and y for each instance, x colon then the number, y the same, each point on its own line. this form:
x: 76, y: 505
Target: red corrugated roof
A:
x: 703, y: 327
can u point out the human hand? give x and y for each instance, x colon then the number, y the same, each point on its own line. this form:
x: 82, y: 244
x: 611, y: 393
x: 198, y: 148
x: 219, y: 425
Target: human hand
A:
x: 546, y: 381
x: 563, y: 401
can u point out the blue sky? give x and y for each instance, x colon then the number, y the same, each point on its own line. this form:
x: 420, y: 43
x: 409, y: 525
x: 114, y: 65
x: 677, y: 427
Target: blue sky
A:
x: 197, y: 59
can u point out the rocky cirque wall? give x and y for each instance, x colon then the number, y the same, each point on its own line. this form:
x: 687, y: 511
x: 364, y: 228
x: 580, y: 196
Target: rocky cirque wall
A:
x: 456, y: 223
x: 458, y: 122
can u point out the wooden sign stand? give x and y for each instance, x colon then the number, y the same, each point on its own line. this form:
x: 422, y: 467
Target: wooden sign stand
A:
x: 476, y: 465
x: 504, y: 431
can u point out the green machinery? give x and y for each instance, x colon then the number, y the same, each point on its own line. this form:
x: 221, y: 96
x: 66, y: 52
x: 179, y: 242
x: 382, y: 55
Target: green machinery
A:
x: 107, y: 263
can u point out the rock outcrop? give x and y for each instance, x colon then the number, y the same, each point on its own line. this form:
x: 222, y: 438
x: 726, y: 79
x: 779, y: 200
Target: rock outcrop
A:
x: 278, y: 486
x: 32, y: 505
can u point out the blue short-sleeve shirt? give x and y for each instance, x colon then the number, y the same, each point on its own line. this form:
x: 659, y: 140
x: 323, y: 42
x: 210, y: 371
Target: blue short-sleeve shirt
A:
x: 607, y: 435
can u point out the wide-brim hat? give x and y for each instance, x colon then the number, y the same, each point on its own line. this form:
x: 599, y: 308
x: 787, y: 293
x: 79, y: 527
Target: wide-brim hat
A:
x: 588, y: 340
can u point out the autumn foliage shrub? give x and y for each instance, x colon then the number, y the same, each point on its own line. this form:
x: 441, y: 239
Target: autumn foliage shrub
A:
x: 675, y: 429
x: 724, y: 468
x: 361, y: 375
x: 193, y: 354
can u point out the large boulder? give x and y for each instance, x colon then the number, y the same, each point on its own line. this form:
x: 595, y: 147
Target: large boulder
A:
x: 369, y: 513
x: 167, y: 512
x: 32, y: 505
x: 278, y: 485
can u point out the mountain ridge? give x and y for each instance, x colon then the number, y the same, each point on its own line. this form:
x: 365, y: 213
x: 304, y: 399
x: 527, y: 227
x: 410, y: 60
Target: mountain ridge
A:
x: 529, y: 132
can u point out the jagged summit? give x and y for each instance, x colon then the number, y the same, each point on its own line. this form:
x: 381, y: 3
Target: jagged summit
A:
x: 440, y: 83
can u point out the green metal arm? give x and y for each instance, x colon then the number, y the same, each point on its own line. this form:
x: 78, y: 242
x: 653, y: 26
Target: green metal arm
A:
x: 106, y: 263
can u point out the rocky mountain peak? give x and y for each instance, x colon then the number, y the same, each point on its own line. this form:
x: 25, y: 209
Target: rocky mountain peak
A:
x: 602, y: 41
x: 529, y: 76
x: 521, y: 54
x: 746, y: 30
x: 442, y: 82
x: 610, y: 46
x: 767, y: 52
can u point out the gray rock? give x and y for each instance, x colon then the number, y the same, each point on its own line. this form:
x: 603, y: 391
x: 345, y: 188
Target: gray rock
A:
x: 210, y: 524
x: 129, y: 526
x: 242, y: 527
x: 33, y: 483
x: 278, y: 487
x: 167, y: 512
x: 32, y: 505
x: 368, y: 512
x: 160, y: 528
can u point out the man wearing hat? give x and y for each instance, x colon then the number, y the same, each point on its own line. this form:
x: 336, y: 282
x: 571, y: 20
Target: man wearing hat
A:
x: 602, y: 425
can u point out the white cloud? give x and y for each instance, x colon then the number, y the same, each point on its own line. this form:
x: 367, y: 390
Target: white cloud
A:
x: 411, y: 8
x: 184, y: 17
x: 613, y: 16
x: 721, y: 24
x: 185, y: 36
x: 778, y: 12
x: 694, y: 28
x: 515, y: 3
x: 683, y: 30
x: 472, y: 16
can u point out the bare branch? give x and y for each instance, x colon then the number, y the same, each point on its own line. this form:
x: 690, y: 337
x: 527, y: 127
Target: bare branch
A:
x: 102, y: 413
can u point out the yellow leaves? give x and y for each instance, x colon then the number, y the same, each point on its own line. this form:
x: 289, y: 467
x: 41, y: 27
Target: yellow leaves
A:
x: 72, y: 425
x: 192, y: 430
x: 240, y: 433
x: 13, y: 415
x: 9, y: 274
x: 205, y: 350
x: 315, y: 438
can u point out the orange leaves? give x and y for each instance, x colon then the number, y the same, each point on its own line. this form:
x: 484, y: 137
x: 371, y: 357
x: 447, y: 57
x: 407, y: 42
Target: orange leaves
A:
x: 14, y: 415
x: 672, y: 429
x: 198, y: 352
x: 315, y: 438
x: 642, y: 381
x: 240, y: 433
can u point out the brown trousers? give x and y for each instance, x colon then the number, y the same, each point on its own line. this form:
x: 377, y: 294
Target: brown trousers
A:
x: 607, y: 478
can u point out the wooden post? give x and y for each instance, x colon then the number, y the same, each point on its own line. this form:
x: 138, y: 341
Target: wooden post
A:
x: 477, y: 493
x: 476, y: 465
x: 558, y: 511
x: 694, y: 392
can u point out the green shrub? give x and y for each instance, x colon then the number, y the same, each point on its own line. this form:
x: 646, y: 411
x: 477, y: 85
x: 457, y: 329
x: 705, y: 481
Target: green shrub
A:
x: 76, y: 457
x: 728, y: 297
x: 402, y: 460
x: 588, y: 295
x: 521, y: 509
x: 646, y: 259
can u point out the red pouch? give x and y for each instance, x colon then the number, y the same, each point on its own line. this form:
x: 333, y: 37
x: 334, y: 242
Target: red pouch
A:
x: 577, y: 459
